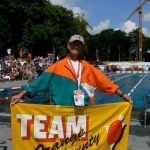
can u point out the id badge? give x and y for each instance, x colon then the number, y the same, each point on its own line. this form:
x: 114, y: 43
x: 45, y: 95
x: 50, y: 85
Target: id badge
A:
x: 78, y: 98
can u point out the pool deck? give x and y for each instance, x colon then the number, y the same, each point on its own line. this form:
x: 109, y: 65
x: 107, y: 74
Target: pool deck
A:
x: 139, y: 137
x: 10, y: 84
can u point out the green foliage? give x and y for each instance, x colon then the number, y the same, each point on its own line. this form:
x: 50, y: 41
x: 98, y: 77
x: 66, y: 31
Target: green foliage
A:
x: 41, y: 27
x: 37, y: 25
x: 112, y: 45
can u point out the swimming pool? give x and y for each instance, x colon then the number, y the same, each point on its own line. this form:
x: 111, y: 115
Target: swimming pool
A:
x: 134, y: 84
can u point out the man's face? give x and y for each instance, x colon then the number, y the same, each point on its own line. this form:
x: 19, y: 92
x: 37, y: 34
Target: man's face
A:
x: 75, y: 48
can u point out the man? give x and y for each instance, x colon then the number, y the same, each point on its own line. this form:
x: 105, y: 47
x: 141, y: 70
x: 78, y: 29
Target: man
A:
x: 72, y: 81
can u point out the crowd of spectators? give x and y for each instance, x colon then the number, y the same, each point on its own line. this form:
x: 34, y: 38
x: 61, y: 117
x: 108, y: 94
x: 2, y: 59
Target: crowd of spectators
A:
x: 12, y: 68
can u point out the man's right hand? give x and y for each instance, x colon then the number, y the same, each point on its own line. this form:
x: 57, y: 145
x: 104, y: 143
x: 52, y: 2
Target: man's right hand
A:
x: 18, y: 98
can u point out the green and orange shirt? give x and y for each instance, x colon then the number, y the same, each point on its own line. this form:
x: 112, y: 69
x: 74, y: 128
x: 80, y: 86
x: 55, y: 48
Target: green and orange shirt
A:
x: 60, y: 82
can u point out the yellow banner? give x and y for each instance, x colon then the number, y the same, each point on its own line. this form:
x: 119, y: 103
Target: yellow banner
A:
x: 47, y: 127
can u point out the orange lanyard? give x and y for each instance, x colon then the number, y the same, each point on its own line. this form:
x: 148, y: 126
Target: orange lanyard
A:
x: 76, y: 75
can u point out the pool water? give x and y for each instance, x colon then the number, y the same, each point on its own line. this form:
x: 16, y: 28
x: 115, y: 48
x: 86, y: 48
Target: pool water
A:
x: 136, y: 85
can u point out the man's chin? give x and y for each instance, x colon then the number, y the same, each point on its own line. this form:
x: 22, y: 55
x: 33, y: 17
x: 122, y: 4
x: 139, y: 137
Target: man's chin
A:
x: 74, y: 56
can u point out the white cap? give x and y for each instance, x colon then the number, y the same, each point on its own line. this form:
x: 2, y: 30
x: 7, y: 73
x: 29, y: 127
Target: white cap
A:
x: 76, y: 38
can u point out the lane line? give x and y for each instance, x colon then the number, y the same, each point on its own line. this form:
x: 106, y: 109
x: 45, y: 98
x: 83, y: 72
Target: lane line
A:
x: 5, y: 115
x: 132, y: 90
x: 123, y: 77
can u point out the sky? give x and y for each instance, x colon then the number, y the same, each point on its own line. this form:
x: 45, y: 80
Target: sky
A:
x: 105, y: 14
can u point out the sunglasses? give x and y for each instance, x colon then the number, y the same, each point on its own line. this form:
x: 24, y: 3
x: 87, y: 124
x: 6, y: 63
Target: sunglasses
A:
x: 76, y: 45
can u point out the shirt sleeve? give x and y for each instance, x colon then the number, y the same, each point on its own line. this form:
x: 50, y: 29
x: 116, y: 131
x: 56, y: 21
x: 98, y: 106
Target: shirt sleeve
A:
x: 40, y: 85
x: 102, y: 82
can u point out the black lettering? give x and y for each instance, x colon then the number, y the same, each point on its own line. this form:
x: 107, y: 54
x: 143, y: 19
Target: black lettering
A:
x: 67, y: 140
x: 81, y: 133
x: 87, y: 145
x: 78, y: 148
x: 56, y: 146
x: 83, y: 147
x: 96, y: 139
x: 40, y: 147
x: 91, y: 141
x: 73, y: 138
x: 62, y: 143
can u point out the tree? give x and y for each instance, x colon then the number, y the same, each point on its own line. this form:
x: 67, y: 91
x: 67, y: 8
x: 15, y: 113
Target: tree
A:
x: 120, y: 49
x: 103, y: 42
x: 38, y: 26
